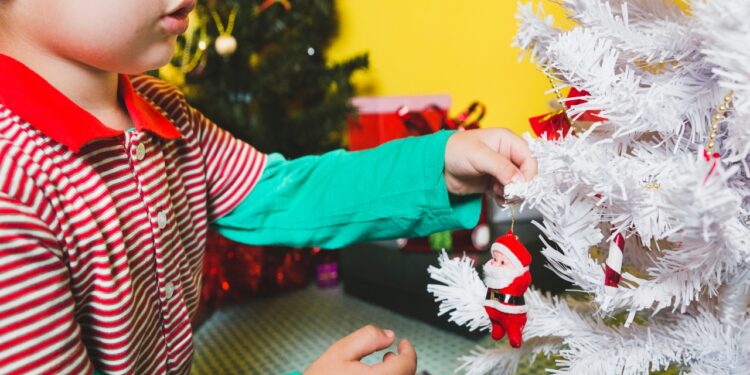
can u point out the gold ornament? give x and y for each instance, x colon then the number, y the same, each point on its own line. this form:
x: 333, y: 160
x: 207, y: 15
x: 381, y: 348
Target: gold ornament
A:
x: 655, y: 68
x: 225, y: 43
x: 254, y: 60
x: 559, y: 97
x: 651, y: 183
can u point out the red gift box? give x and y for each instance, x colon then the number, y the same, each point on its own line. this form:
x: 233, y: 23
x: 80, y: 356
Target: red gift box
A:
x: 379, y: 121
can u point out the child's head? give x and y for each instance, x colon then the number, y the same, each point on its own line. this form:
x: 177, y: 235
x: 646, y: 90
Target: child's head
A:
x: 124, y: 36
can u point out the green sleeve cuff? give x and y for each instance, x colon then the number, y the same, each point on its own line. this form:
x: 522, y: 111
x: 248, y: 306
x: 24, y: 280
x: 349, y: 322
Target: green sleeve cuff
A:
x: 393, y: 191
x: 460, y: 212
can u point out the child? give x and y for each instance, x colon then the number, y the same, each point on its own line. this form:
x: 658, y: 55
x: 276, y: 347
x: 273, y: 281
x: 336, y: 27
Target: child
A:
x: 108, y: 183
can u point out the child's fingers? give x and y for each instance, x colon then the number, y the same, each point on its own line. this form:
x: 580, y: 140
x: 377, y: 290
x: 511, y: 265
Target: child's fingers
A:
x: 405, y: 363
x: 529, y: 168
x: 388, y: 356
x: 497, y: 193
x: 498, y: 190
x: 362, y: 342
x: 487, y: 161
x: 520, y: 154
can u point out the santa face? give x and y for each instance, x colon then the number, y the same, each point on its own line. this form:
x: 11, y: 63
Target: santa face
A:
x: 500, y: 260
x: 499, y: 272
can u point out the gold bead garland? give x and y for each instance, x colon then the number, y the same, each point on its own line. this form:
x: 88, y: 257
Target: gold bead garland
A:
x: 560, y: 100
x: 717, y: 117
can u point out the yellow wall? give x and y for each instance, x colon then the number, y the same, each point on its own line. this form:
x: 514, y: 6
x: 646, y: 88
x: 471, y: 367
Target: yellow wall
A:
x: 456, y: 47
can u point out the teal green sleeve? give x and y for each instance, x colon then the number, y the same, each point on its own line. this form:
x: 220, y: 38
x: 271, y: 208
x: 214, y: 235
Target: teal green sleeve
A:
x: 332, y: 200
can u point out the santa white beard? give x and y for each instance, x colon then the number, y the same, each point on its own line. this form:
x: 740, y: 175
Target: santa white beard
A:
x: 500, y: 277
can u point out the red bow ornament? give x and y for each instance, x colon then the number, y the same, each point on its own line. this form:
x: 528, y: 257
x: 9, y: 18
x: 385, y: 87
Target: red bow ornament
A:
x: 556, y: 124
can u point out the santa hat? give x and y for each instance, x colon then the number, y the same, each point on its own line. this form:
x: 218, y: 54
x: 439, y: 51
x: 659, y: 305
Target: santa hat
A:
x: 509, y: 246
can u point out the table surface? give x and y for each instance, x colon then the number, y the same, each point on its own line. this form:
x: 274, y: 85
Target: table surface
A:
x: 285, y: 333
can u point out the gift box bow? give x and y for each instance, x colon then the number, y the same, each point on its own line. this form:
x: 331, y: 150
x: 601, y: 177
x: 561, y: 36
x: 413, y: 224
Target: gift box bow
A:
x: 417, y: 122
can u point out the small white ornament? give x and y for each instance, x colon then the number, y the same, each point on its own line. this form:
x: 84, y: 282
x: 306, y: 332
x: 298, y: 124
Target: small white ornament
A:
x: 480, y: 236
x: 225, y: 44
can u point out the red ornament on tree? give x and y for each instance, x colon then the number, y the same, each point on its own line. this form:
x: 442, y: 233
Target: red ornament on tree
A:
x: 507, y: 277
x: 613, y: 265
x: 557, y: 124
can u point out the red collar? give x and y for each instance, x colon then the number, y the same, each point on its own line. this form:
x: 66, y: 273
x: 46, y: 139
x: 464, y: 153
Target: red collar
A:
x: 35, y: 100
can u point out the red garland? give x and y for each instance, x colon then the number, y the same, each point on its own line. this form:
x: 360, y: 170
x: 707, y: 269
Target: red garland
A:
x: 556, y: 124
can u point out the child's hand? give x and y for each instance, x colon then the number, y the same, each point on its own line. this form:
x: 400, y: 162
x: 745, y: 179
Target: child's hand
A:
x: 343, y: 357
x: 487, y: 160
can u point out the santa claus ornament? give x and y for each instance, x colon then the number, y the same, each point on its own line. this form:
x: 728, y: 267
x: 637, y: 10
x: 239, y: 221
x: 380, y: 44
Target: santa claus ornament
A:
x: 496, y: 302
x: 507, y: 277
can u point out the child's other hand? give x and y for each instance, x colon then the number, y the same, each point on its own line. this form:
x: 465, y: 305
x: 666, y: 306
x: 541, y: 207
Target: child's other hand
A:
x: 343, y: 357
x: 487, y: 160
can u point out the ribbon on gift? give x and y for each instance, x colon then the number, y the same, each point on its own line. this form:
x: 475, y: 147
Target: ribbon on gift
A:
x: 557, y: 124
x: 468, y: 119
x: 416, y: 121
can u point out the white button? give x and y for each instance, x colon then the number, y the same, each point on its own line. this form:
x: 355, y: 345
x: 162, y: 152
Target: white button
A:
x: 140, y: 151
x: 161, y: 220
x: 169, y: 290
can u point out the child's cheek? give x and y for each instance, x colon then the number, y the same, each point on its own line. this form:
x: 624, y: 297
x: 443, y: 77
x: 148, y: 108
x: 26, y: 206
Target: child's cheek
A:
x: 116, y: 36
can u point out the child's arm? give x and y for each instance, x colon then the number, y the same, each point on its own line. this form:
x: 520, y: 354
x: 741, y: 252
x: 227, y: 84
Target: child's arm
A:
x: 400, y: 189
x: 38, y: 329
x: 332, y: 200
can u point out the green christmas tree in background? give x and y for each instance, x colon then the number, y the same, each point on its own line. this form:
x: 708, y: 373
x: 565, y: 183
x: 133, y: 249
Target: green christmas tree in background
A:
x: 258, y: 69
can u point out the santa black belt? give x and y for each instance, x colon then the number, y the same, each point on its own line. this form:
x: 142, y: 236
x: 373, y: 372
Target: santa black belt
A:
x: 493, y: 294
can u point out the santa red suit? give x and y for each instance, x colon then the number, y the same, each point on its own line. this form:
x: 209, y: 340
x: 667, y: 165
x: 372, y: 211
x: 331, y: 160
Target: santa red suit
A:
x: 507, y: 277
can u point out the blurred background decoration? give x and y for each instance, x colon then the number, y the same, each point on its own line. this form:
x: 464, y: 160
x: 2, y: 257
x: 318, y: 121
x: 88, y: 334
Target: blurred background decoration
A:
x: 281, y: 75
x: 459, y: 48
x: 258, y: 69
x: 289, y: 76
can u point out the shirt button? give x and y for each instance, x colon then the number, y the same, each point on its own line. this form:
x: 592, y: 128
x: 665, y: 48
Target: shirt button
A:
x: 169, y: 290
x: 161, y: 220
x: 140, y: 151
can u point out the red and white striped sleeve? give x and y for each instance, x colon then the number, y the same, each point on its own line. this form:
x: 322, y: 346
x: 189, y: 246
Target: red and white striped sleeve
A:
x: 232, y: 167
x: 38, y: 330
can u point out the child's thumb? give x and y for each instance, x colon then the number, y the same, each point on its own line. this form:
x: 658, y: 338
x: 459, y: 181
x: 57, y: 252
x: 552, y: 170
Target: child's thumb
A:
x: 363, y: 342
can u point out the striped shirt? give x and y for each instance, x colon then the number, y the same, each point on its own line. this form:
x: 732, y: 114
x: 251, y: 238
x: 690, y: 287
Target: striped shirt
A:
x: 102, y: 232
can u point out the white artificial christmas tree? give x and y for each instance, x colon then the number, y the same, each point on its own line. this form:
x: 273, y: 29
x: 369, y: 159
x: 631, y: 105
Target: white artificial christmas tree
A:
x: 667, y: 170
